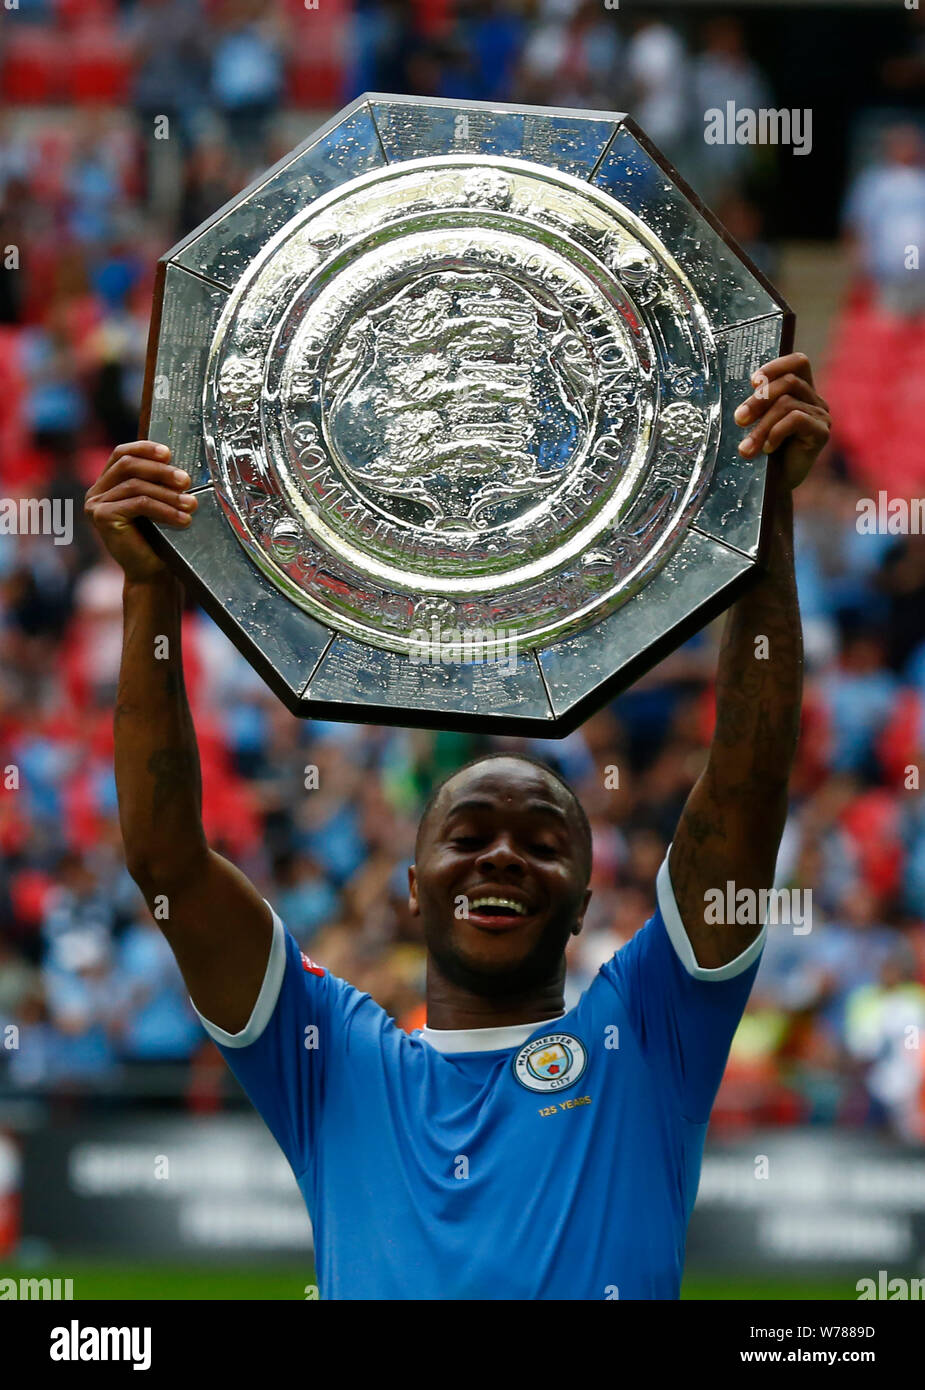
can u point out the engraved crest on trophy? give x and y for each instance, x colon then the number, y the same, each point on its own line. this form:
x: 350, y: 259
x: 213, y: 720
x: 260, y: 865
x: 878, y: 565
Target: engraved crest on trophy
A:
x: 461, y: 393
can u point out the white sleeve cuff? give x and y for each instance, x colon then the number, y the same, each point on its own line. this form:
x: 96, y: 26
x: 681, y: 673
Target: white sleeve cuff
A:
x: 682, y: 942
x: 266, y: 1000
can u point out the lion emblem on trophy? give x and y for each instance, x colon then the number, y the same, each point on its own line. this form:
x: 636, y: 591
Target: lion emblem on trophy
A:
x: 461, y: 393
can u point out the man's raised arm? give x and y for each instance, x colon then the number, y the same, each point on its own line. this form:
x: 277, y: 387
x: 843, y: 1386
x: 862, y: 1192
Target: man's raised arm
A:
x: 733, y: 820
x: 216, y: 922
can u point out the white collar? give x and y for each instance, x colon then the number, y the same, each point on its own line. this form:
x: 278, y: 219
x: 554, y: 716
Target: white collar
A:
x: 482, y: 1039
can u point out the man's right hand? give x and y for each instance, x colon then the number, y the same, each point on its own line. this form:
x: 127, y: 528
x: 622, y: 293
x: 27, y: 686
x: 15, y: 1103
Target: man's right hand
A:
x: 138, y: 480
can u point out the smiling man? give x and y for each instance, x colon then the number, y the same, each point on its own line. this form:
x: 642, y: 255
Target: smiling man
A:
x: 510, y: 1149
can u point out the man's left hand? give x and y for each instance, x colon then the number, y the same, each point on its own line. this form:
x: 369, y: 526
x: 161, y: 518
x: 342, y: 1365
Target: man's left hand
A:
x: 786, y: 416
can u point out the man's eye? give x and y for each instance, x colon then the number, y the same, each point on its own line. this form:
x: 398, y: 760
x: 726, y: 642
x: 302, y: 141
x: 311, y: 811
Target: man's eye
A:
x: 544, y: 850
x: 467, y: 841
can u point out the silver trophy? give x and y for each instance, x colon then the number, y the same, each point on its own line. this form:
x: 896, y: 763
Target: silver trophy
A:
x: 455, y: 383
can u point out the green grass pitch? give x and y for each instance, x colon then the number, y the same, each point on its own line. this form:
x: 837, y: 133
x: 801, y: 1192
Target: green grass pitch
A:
x: 111, y: 1280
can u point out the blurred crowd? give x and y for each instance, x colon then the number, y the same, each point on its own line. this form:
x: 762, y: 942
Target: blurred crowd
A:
x: 322, y: 816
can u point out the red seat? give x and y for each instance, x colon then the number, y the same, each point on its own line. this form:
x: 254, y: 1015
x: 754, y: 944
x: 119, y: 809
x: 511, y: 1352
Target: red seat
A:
x: 74, y: 14
x: 314, y: 85
x: 33, y: 66
x: 13, y: 435
x: 101, y: 67
x: 318, y: 45
x: 898, y: 744
x: 873, y: 381
x: 872, y: 823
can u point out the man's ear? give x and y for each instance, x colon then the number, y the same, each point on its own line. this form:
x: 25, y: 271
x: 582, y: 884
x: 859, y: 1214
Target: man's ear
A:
x: 413, y: 905
x: 580, y: 920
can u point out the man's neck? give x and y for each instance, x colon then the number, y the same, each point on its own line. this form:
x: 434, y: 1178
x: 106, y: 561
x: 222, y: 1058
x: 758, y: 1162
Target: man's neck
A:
x: 483, y: 1039
x: 452, y: 1007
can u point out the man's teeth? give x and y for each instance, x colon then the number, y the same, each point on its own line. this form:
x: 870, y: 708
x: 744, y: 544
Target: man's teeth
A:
x: 499, y: 902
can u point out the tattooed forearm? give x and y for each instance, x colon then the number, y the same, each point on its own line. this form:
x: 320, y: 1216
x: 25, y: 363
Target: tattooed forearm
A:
x: 760, y: 674
x: 158, y: 776
x: 734, y: 817
x: 170, y: 768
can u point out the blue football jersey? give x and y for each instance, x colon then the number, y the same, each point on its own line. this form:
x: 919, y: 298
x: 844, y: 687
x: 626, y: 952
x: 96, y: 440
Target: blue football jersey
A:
x: 551, y: 1160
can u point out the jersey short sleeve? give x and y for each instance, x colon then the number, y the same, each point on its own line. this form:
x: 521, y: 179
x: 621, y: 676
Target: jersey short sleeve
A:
x: 684, y: 1015
x: 280, y: 1055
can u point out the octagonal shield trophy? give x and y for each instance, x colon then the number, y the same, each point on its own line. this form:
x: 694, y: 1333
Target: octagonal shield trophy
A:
x: 454, y: 383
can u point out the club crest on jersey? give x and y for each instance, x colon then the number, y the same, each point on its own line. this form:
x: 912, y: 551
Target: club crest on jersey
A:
x: 550, y: 1063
